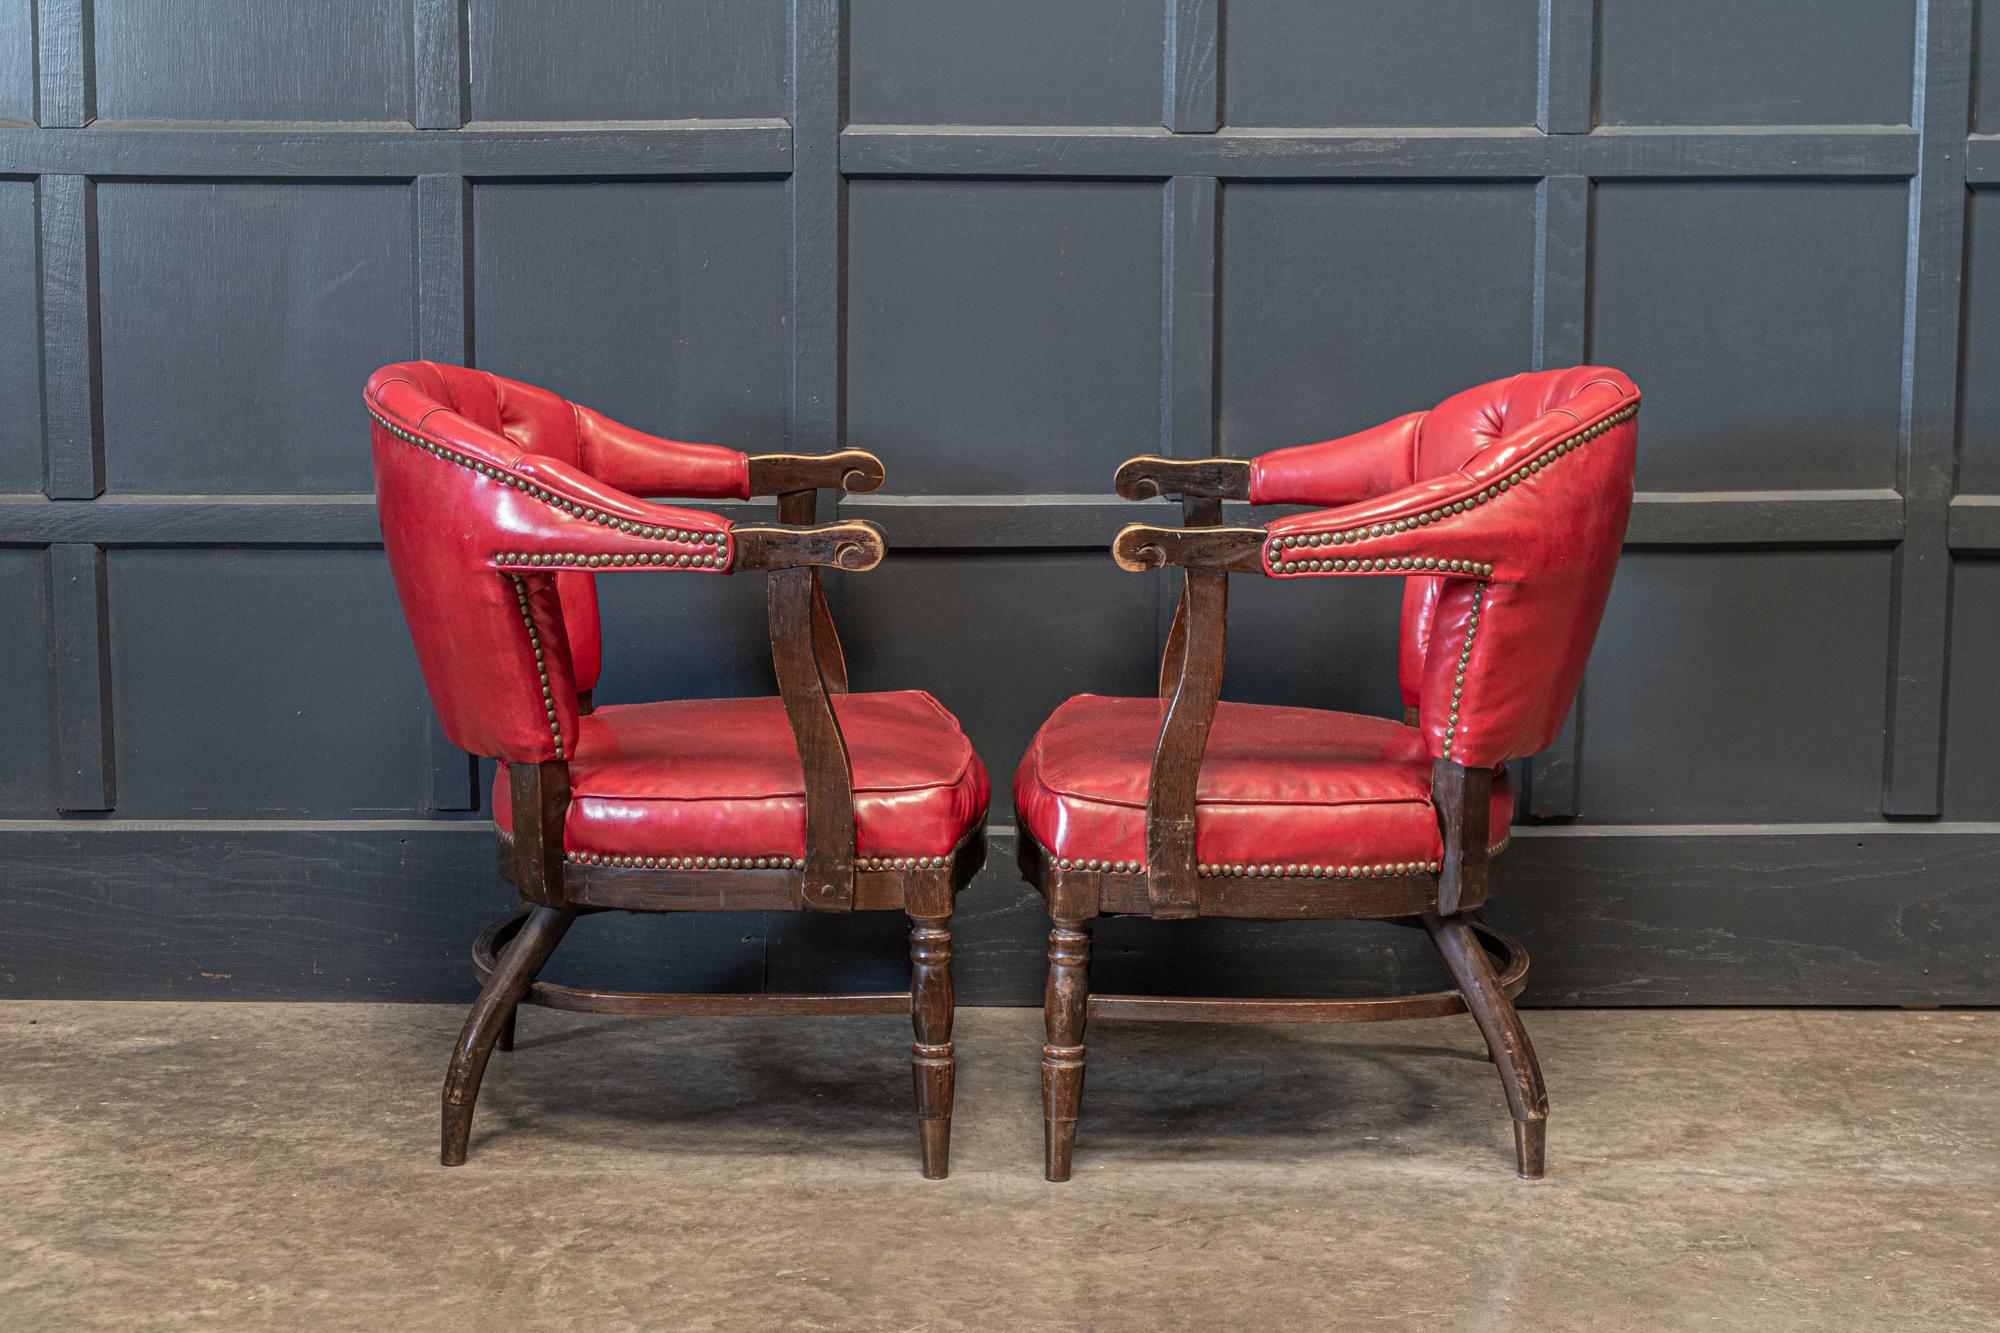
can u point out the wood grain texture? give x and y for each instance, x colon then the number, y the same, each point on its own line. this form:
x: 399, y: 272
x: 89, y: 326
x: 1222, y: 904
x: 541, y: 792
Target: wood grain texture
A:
x: 440, y: 47
x: 1117, y: 151
x: 444, y: 328
x: 1192, y: 264
x: 81, y: 664
x: 63, y: 95
x: 1566, y: 93
x: 816, y: 319
x: 1193, y: 66
x: 72, y: 431
x: 712, y: 147
x: 829, y: 781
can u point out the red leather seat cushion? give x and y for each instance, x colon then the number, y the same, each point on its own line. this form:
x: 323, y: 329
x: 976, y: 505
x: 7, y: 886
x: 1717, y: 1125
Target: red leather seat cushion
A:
x: 721, y: 777
x: 1279, y: 786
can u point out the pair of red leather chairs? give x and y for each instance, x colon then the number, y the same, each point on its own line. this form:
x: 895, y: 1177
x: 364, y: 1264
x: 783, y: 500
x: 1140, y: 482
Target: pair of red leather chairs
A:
x: 1503, y: 509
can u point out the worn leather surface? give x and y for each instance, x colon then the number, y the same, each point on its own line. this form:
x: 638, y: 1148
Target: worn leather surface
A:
x: 721, y: 777
x: 1552, y: 535
x: 1277, y: 786
x: 443, y: 523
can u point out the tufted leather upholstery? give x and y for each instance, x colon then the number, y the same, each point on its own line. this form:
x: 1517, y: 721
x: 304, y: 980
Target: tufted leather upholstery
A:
x: 1278, y: 786
x: 443, y: 523
x: 721, y: 778
x: 1530, y: 476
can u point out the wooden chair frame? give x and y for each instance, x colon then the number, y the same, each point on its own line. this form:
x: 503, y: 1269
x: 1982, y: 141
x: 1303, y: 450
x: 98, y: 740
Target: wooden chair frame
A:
x: 1170, y: 885
x: 556, y: 889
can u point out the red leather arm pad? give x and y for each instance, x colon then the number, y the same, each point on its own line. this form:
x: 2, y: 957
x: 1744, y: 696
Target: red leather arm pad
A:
x: 1338, y: 472
x: 566, y: 519
x: 642, y: 464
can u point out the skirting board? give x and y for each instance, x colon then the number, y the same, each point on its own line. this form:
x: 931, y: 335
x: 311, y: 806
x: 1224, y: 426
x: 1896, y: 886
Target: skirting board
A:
x: 1821, y: 915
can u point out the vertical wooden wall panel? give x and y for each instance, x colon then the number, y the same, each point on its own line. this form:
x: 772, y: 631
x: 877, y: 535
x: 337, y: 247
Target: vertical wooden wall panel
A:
x: 1922, y: 614
x: 72, y: 436
x: 80, y: 662
x: 63, y: 94
x: 1192, y: 67
x: 444, y: 333
x: 438, y: 100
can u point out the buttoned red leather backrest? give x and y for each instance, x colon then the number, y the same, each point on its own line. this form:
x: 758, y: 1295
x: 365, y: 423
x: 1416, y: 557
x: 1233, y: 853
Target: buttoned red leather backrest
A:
x: 1534, y: 634
x: 505, y: 655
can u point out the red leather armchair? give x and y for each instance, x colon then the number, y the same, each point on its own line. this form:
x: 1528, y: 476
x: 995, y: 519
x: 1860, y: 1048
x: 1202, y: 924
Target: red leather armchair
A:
x: 1503, y: 509
x: 500, y: 504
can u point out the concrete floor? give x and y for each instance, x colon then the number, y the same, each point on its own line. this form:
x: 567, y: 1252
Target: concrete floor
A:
x: 165, y: 1166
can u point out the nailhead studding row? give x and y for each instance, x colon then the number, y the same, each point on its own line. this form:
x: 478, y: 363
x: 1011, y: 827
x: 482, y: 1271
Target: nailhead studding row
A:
x: 748, y: 862
x: 541, y: 664
x: 688, y: 862
x: 1317, y: 871
x: 1458, y: 674
x: 685, y: 536
x: 1414, y: 563
x: 581, y: 560
x: 1256, y: 871
x: 1275, y: 550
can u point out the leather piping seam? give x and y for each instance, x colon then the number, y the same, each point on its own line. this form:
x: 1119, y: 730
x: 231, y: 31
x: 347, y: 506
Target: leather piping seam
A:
x: 585, y: 512
x: 1275, y: 548
x: 541, y: 664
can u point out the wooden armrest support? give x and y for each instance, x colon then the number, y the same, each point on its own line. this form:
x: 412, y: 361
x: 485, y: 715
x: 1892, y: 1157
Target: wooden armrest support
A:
x: 1223, y: 550
x: 853, y: 544
x: 1148, y: 475
x: 852, y: 470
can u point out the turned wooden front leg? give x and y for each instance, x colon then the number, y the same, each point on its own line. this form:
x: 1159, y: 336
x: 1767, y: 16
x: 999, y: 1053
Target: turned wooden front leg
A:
x: 1064, y: 1006
x: 932, y: 1064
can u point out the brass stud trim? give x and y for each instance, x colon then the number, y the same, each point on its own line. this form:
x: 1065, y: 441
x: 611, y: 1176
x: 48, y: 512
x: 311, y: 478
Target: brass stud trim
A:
x: 632, y: 527
x: 603, y: 559
x: 1096, y: 865
x: 1301, y: 870
x: 1464, y: 661
x: 1276, y: 559
x: 621, y: 862
x: 902, y: 862
x: 541, y: 663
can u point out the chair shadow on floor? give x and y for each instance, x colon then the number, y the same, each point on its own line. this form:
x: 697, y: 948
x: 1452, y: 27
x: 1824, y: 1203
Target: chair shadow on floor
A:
x: 750, y: 1087
x: 725, y: 1087
x: 1182, y: 1091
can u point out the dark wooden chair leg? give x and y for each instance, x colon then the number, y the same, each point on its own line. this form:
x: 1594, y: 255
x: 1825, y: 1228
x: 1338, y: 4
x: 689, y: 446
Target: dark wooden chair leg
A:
x: 1506, y: 1038
x: 506, y: 1039
x: 932, y: 1065
x: 1064, y: 1006
x: 518, y: 964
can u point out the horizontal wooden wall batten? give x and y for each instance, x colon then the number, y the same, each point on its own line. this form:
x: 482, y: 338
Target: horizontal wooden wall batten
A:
x: 1982, y: 159
x: 364, y: 151
x: 236, y: 520
x: 1112, y: 151
x: 1975, y: 523
x: 917, y: 522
